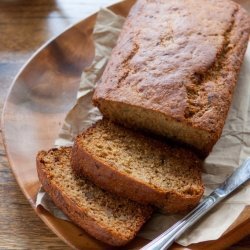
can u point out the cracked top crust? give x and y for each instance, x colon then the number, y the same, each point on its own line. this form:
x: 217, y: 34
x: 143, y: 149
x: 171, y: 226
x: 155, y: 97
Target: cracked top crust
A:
x: 179, y: 58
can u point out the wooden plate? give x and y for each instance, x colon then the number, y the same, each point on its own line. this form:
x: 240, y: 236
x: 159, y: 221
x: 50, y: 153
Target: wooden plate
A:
x: 41, y: 95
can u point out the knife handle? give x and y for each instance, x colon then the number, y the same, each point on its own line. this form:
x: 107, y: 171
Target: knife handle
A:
x: 166, y: 239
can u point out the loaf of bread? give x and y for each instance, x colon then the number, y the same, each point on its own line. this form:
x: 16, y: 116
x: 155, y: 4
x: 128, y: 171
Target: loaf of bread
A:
x: 106, y: 217
x: 138, y: 167
x: 174, y: 69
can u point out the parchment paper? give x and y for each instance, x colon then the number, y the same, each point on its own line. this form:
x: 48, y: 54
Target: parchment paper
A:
x: 232, y: 148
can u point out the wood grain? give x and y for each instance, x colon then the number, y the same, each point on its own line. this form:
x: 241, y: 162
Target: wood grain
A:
x: 25, y: 26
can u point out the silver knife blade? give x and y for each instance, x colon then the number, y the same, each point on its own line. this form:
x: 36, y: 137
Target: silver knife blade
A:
x: 239, y: 176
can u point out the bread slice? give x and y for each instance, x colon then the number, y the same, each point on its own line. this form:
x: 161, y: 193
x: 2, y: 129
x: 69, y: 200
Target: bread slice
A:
x: 174, y: 69
x: 138, y: 167
x: 106, y: 217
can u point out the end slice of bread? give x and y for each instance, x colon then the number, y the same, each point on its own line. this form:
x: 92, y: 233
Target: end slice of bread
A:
x: 106, y: 217
x: 138, y: 167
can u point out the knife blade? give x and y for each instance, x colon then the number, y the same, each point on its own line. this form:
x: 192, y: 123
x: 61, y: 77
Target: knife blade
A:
x: 239, y: 176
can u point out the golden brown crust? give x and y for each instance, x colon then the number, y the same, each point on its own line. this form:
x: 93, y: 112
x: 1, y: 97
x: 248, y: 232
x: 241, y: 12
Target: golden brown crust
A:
x: 180, y: 66
x: 107, y: 177
x: 77, y: 214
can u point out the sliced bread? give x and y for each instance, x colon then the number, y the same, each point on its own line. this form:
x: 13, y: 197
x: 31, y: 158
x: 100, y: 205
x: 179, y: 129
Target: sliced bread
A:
x: 106, y: 217
x: 138, y: 167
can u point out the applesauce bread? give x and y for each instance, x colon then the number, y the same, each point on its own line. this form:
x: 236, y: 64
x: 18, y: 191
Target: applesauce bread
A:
x: 138, y: 167
x: 106, y: 217
x: 174, y: 69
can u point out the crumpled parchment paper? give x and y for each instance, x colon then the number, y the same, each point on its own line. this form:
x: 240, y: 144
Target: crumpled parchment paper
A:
x: 232, y: 148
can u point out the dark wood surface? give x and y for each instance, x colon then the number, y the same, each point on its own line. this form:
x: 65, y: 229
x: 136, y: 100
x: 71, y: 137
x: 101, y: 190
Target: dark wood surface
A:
x: 24, y: 27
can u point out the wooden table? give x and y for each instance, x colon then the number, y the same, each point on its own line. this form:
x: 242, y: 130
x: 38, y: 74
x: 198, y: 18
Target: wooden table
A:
x: 24, y: 27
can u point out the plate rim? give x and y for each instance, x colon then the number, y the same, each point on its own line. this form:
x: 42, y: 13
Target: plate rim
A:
x: 40, y: 211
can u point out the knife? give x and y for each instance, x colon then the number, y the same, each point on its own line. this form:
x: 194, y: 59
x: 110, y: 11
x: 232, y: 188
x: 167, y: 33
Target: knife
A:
x: 166, y: 239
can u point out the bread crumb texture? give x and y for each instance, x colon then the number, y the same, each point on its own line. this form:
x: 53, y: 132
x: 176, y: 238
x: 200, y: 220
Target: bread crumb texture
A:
x: 107, y: 151
x: 160, y: 165
x: 119, y: 218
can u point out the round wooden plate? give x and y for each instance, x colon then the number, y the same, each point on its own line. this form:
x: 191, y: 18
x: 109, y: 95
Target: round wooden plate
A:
x: 40, y: 96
